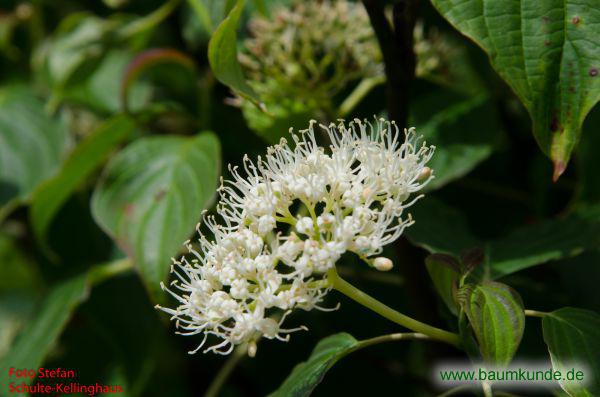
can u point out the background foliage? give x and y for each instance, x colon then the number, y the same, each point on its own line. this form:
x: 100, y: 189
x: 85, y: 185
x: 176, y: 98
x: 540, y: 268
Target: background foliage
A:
x: 116, y: 120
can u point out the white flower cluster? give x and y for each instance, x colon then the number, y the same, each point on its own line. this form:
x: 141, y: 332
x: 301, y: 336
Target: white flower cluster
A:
x: 263, y: 261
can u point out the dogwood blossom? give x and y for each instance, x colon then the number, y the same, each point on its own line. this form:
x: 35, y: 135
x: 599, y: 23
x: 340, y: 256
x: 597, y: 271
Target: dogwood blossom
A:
x: 285, y: 219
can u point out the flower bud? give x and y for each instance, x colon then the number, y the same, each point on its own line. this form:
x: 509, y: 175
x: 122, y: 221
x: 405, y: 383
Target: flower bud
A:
x: 304, y: 225
x: 251, y: 349
x: 383, y: 264
x: 425, y: 174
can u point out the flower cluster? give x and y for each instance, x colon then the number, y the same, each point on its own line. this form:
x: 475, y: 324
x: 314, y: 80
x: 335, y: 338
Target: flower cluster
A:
x: 301, y: 72
x: 311, y: 49
x: 262, y: 261
x: 302, y: 58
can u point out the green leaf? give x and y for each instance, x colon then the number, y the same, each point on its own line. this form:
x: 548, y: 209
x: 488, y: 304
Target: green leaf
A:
x: 152, y: 195
x: 202, y: 11
x: 84, y: 160
x: 146, y: 60
x: 455, y: 130
x: 229, y: 4
x: 544, y: 241
x: 32, y: 145
x: 74, y: 51
x: 444, y: 272
x: 222, y: 54
x: 495, y: 312
x: 201, y: 19
x: 547, y: 52
x: 307, y: 375
x: 276, y: 124
x: 573, y: 338
x: 101, y: 90
x: 440, y: 228
x: 41, y: 333
x: 261, y: 7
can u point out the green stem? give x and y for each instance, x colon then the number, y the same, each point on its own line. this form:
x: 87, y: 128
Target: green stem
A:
x: 358, y: 94
x: 226, y: 370
x: 390, y: 338
x: 535, y: 313
x: 359, y: 296
x: 288, y: 220
x: 149, y: 21
x: 105, y: 271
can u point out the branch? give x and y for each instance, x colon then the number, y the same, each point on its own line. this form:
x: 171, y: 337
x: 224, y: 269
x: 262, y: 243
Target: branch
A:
x: 396, y: 43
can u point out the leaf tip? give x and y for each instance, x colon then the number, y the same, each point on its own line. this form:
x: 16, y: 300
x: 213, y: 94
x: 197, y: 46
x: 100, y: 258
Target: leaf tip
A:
x: 559, y: 168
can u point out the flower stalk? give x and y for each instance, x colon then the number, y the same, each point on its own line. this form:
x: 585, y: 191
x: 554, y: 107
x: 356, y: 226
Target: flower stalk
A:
x: 341, y: 285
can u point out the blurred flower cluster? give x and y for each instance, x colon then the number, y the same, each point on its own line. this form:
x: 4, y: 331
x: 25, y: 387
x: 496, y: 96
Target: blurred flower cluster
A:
x: 263, y: 258
x: 310, y: 52
x: 303, y: 59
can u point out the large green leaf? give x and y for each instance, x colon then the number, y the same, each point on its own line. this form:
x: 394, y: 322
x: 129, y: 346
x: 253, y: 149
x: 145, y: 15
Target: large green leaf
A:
x: 40, y: 334
x: 146, y: 60
x: 73, y: 51
x: 307, y: 375
x: 101, y: 90
x: 32, y: 145
x: 547, y: 51
x: 456, y: 131
x: 222, y: 54
x: 442, y: 229
x: 573, y: 338
x: 151, y: 196
x: 86, y: 158
x: 544, y: 241
x: 495, y: 312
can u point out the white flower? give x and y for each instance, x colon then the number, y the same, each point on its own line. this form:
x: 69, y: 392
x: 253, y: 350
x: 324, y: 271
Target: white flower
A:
x: 305, y: 226
x: 262, y: 262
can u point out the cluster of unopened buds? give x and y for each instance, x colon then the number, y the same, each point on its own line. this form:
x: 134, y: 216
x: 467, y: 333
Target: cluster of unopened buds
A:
x: 284, y: 56
x: 285, y: 53
x: 283, y: 222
